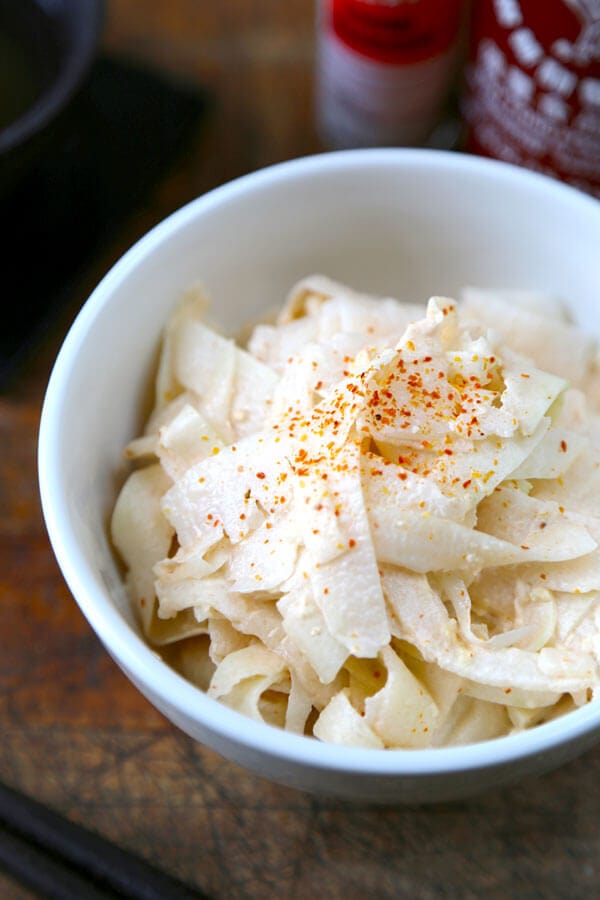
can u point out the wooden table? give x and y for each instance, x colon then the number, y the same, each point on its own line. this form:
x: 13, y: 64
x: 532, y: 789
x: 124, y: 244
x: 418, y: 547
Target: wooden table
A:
x: 78, y: 736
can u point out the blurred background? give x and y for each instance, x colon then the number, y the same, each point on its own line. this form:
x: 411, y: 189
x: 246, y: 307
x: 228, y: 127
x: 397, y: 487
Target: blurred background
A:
x: 167, y: 99
x: 170, y: 100
x: 113, y: 113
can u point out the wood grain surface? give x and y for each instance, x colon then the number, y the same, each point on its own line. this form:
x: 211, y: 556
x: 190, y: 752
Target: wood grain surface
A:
x: 76, y: 734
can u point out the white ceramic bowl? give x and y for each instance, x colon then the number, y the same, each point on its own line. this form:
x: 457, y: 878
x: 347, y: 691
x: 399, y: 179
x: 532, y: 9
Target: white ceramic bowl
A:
x: 409, y: 223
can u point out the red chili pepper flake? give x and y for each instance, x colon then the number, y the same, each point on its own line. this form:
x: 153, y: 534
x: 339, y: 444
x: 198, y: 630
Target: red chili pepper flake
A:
x: 563, y: 446
x: 209, y: 517
x: 325, y: 590
x: 376, y: 674
x: 242, y: 515
x: 260, y: 475
x: 542, y: 576
x: 352, y: 543
x: 525, y: 375
x: 466, y: 483
x: 524, y: 547
x: 448, y: 452
x: 142, y: 601
x: 402, y: 476
x: 318, y: 385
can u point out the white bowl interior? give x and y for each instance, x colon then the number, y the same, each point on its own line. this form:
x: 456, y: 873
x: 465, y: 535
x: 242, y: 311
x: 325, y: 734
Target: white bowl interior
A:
x: 403, y: 223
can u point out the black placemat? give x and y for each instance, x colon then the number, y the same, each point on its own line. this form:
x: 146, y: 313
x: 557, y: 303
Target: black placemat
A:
x: 125, y: 130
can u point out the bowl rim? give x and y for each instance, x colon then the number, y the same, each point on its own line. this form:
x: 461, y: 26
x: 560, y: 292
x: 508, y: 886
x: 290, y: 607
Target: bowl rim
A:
x: 74, y: 65
x: 169, y: 689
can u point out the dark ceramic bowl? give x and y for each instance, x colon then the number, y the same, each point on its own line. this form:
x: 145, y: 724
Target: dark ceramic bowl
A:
x: 46, y: 49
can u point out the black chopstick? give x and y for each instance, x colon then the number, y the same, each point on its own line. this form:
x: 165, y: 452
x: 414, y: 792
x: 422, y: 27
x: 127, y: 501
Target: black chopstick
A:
x: 66, y: 861
x: 42, y: 873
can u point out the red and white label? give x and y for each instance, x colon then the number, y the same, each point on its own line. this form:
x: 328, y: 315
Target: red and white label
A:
x: 532, y: 92
x: 384, y: 68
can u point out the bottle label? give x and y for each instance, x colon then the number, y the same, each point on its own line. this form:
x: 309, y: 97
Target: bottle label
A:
x: 532, y: 94
x: 384, y: 69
